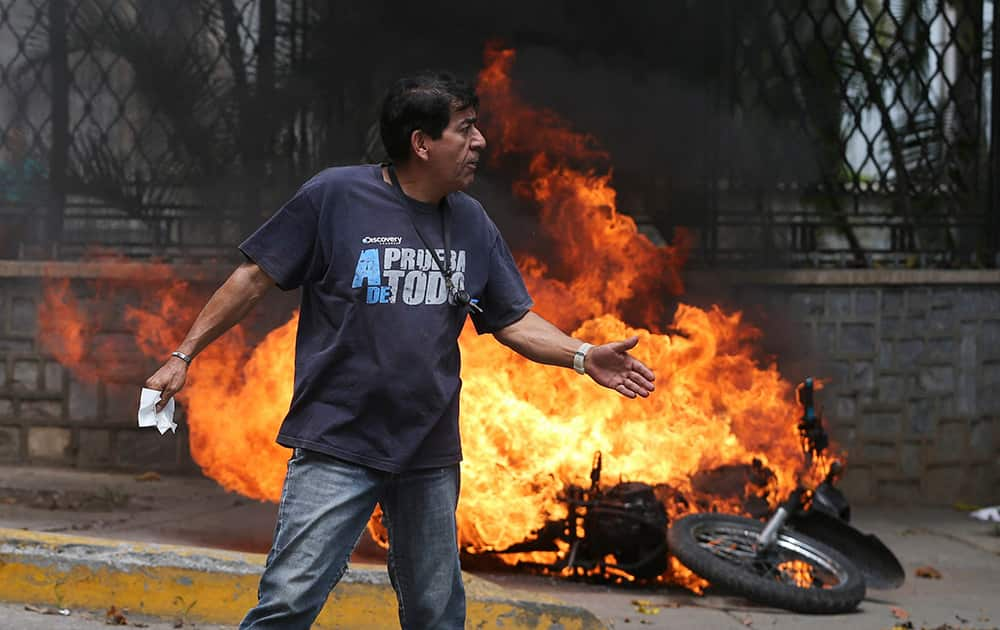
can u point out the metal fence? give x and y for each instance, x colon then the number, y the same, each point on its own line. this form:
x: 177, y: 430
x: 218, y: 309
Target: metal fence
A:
x: 144, y: 127
x: 842, y: 132
x: 893, y: 102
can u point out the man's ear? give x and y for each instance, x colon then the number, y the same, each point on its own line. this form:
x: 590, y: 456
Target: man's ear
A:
x: 419, y: 144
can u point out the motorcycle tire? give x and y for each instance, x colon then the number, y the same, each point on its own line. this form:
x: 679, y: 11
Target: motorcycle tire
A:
x: 796, y: 573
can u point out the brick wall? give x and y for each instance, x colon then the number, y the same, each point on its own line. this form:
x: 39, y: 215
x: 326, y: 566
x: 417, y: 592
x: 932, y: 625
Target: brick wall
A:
x: 48, y: 415
x: 912, y: 358
x: 33, y: 390
x: 913, y: 362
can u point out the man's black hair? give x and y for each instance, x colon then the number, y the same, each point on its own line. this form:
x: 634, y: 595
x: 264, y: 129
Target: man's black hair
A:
x: 422, y: 101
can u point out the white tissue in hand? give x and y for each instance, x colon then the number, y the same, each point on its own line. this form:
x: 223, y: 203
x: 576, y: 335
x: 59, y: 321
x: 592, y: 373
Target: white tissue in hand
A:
x: 149, y: 417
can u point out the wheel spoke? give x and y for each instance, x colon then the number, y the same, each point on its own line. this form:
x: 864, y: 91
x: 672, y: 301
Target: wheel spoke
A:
x: 794, y: 572
x: 789, y: 561
x: 728, y: 547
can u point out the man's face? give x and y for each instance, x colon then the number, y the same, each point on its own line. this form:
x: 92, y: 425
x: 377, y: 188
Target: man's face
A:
x: 454, y: 157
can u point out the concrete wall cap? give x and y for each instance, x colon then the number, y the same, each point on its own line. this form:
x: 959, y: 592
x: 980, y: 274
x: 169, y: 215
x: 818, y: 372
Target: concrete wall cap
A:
x: 846, y: 277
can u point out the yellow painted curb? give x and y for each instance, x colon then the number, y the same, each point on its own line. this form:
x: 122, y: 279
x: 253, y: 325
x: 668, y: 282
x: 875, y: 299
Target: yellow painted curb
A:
x: 210, y: 585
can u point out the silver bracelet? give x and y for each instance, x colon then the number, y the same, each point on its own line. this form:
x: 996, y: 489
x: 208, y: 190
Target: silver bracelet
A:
x: 180, y: 355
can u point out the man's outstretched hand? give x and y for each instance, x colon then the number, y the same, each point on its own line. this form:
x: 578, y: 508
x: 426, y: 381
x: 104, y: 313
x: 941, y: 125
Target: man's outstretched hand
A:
x: 611, y: 365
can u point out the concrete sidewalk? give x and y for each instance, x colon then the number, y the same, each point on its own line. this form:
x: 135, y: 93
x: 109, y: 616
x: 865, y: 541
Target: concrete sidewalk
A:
x: 181, y: 548
x: 125, y: 560
x: 197, y: 583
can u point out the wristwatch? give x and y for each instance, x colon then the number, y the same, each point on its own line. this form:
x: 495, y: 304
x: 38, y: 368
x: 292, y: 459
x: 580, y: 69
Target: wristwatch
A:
x: 579, y: 356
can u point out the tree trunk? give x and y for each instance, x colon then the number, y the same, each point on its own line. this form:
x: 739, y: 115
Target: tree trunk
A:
x: 822, y: 125
x: 264, y: 105
x: 874, y: 88
x: 965, y: 128
x: 59, y: 154
x: 234, y: 52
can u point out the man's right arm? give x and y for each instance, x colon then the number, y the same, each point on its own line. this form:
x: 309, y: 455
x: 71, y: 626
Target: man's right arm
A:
x: 227, y: 306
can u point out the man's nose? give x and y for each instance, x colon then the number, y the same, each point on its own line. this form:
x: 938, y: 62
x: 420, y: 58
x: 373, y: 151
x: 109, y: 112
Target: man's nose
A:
x: 478, y: 139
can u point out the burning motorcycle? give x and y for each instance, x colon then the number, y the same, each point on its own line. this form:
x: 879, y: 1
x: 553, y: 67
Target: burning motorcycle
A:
x: 627, y: 521
x: 805, y: 557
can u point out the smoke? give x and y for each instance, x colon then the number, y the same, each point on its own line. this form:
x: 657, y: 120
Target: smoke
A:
x: 653, y: 82
x: 672, y: 139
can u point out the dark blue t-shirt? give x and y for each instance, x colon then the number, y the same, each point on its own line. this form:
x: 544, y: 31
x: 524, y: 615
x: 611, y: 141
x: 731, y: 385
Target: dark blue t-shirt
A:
x: 376, y: 355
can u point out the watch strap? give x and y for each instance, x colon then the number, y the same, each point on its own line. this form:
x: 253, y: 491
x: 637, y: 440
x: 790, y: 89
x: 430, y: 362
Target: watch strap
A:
x: 579, y: 356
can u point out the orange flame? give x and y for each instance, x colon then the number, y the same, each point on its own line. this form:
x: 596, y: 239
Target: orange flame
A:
x: 528, y: 430
x: 599, y: 263
x: 798, y: 572
x: 235, y: 397
x: 63, y: 328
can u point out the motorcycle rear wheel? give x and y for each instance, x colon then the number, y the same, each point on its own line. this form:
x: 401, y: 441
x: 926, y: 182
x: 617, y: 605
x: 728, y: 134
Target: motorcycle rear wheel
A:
x: 796, y: 573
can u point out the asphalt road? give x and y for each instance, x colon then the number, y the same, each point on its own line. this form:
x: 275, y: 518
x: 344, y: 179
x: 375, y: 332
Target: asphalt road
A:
x: 196, y: 512
x: 28, y: 617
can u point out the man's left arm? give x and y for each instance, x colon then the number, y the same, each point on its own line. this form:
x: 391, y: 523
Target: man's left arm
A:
x: 608, y: 364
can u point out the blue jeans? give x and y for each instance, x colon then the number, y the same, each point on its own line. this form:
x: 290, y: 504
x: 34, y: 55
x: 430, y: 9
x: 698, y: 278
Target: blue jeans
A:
x: 325, y: 505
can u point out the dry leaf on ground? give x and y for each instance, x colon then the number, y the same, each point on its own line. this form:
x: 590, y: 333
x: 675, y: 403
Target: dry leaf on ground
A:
x: 645, y: 607
x: 928, y: 572
x: 148, y: 476
x: 115, y: 617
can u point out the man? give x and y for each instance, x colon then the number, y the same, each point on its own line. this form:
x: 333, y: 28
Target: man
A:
x: 16, y: 168
x: 21, y: 179
x: 390, y: 259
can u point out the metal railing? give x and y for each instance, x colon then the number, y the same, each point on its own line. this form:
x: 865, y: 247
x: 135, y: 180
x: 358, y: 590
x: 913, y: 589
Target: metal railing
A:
x: 888, y: 108
x: 840, y: 132
x: 147, y: 127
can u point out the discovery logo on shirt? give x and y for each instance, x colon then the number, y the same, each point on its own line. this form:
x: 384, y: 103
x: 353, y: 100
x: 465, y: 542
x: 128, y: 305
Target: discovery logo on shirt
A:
x: 382, y: 240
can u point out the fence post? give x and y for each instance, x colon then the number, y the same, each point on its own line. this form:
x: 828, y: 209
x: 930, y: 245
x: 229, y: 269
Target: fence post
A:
x: 58, y: 156
x: 993, y: 210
